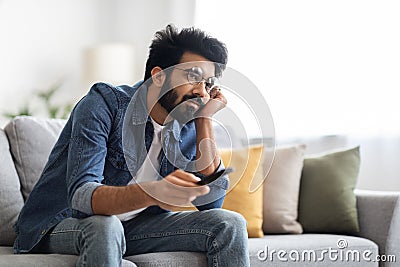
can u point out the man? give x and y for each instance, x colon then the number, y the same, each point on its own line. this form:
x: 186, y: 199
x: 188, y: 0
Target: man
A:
x: 164, y: 128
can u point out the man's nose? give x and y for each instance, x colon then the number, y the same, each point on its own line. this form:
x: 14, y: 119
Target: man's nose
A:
x: 200, y: 89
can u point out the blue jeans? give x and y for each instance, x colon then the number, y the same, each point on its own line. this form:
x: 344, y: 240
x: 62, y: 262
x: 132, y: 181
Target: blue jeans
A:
x: 104, y: 240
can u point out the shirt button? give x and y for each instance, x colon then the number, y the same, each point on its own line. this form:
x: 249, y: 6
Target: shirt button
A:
x: 180, y: 140
x: 43, y: 232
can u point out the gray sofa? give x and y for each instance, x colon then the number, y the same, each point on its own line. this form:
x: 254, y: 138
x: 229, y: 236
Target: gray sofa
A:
x: 26, y: 142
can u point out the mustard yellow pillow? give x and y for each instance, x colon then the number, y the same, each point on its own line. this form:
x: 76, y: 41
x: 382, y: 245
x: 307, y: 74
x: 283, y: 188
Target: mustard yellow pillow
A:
x: 247, y: 165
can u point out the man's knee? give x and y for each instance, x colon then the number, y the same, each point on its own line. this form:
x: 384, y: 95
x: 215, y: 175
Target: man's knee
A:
x: 228, y: 220
x: 106, y: 228
x: 105, y: 224
x: 236, y: 219
x: 102, y: 240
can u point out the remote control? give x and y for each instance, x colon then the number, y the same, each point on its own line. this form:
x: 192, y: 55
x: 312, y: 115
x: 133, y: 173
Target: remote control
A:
x: 211, y: 178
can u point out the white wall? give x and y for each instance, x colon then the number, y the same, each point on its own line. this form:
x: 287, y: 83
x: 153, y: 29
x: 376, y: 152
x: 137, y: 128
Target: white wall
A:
x: 42, y: 42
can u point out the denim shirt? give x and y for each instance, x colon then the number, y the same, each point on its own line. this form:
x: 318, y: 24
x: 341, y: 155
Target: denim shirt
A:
x: 90, y: 153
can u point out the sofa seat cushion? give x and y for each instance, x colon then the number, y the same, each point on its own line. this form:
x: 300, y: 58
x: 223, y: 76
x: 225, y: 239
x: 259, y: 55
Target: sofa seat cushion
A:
x: 167, y: 259
x: 11, y: 200
x: 35, y: 260
x: 304, y: 243
x: 7, y: 258
x: 290, y: 244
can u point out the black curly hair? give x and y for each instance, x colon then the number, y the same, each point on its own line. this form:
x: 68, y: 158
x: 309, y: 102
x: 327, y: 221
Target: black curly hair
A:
x: 169, y: 45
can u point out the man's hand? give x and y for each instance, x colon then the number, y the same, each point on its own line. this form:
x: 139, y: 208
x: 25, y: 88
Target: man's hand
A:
x: 216, y: 102
x: 176, y: 190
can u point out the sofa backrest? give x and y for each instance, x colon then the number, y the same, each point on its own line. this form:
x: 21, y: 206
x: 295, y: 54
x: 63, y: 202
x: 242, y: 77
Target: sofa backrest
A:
x: 11, y: 200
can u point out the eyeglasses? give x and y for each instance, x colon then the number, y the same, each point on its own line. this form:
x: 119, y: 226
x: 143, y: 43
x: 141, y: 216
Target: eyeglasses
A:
x: 195, y: 76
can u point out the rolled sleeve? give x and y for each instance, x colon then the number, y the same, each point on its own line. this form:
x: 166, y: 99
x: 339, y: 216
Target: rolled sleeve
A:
x: 82, y: 199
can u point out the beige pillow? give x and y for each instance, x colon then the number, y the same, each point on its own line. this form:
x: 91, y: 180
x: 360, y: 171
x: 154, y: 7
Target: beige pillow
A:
x: 247, y: 165
x: 281, y: 190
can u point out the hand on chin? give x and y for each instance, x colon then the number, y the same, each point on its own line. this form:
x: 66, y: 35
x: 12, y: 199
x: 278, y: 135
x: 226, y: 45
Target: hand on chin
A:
x: 212, y: 106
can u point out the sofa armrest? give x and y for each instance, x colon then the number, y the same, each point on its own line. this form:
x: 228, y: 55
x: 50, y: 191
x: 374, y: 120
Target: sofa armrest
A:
x: 379, y: 218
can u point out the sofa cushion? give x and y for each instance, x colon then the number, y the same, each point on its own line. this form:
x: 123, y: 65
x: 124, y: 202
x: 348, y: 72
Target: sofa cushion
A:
x: 167, y: 259
x: 327, y: 200
x: 281, y: 190
x: 312, y: 244
x: 7, y: 258
x: 11, y: 200
x: 247, y: 165
x: 31, y: 140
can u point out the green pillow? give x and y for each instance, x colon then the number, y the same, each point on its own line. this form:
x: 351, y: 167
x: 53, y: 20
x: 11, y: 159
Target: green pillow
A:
x: 327, y: 200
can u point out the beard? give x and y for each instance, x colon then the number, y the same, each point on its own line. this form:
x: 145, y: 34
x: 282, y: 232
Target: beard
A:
x: 181, y: 111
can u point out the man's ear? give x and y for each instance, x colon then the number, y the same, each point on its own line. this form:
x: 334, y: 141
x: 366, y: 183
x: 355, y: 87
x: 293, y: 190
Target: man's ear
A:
x: 158, y: 76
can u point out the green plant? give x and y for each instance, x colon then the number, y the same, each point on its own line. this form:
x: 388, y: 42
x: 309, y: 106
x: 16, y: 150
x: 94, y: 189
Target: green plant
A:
x: 54, y: 111
x: 23, y: 111
x: 46, y: 96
